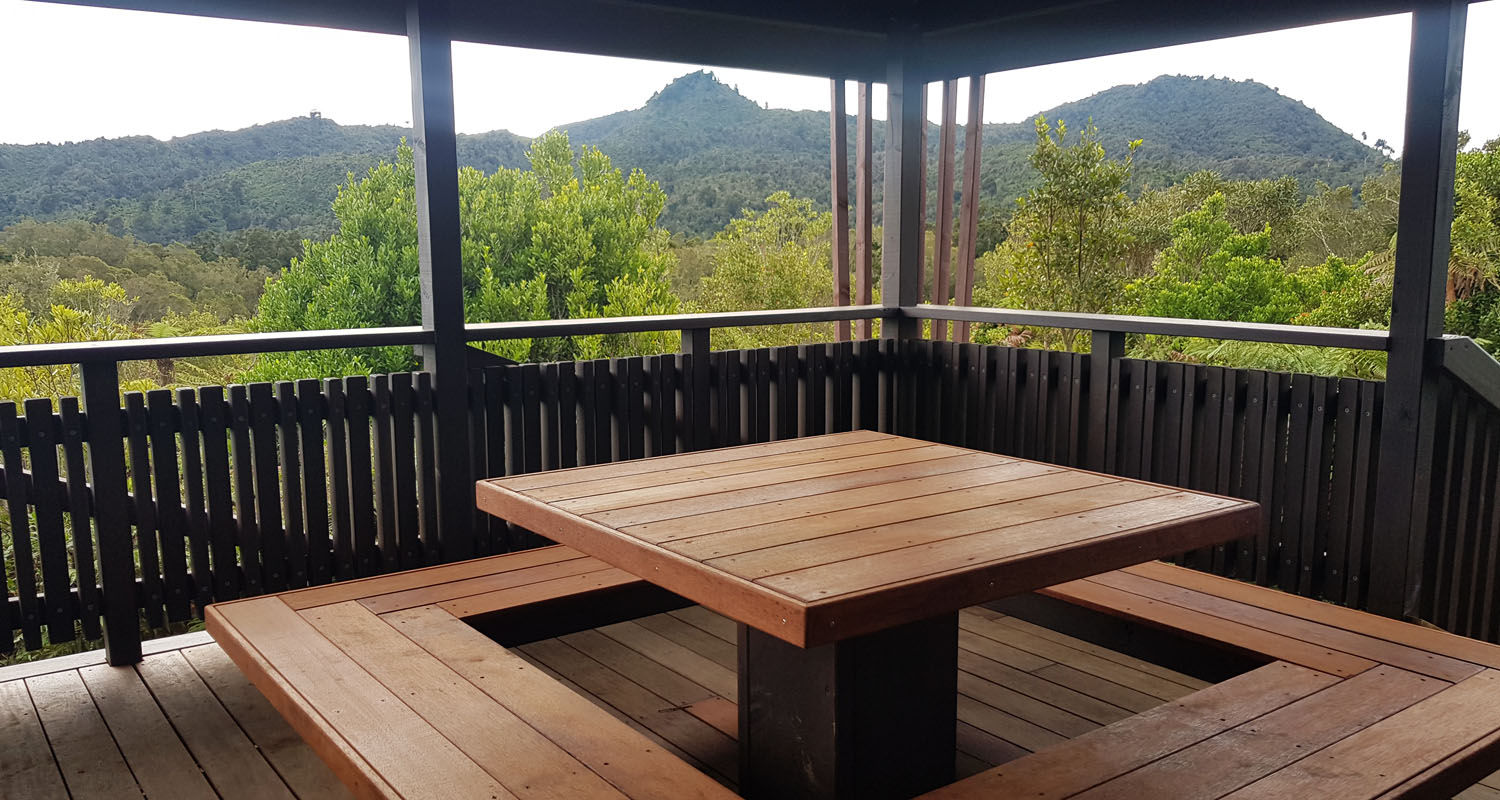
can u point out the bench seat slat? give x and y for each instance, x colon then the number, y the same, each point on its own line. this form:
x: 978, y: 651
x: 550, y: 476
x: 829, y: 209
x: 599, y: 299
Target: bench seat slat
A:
x: 1417, y: 636
x: 427, y: 576
x: 527, y: 763
x: 516, y: 596
x: 1237, y: 757
x: 1425, y: 662
x: 1206, y: 626
x: 483, y: 584
x: 608, y: 746
x: 1100, y: 755
x: 357, y: 725
x: 1384, y: 755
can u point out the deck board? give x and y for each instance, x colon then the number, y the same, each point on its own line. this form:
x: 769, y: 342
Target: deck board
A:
x: 1043, y: 687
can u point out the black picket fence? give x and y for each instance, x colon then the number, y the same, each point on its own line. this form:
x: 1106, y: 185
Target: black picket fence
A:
x: 243, y: 490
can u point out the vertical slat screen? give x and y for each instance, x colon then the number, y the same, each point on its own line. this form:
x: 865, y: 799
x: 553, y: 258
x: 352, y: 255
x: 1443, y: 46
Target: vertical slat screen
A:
x: 246, y: 489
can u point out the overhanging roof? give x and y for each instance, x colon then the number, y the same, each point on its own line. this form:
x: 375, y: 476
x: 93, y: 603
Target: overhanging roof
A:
x: 834, y: 38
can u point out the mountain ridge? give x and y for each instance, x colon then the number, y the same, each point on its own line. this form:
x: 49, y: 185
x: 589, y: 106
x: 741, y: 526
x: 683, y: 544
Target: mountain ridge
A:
x: 713, y: 150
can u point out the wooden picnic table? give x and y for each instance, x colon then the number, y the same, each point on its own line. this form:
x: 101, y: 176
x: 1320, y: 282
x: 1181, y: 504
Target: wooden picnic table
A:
x: 845, y: 558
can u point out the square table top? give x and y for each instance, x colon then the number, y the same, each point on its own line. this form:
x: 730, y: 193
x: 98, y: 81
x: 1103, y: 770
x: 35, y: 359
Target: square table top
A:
x: 821, y: 538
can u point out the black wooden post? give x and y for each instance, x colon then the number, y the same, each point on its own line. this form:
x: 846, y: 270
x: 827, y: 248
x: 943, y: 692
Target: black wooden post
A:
x: 695, y: 346
x: 902, y: 246
x: 435, y: 150
x: 106, y: 437
x: 1106, y: 347
x: 1408, y: 423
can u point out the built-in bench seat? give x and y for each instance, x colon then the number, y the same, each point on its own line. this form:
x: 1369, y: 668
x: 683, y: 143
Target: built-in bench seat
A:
x: 1349, y: 705
x: 393, y: 684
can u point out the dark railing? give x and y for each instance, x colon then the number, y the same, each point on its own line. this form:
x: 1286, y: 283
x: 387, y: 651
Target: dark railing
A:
x: 233, y: 491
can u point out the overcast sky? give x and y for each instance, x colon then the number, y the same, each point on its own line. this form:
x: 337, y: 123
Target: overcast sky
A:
x: 74, y: 73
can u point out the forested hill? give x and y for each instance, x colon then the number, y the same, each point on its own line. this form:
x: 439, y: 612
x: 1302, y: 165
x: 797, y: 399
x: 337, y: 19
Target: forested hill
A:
x: 280, y: 175
x: 713, y: 150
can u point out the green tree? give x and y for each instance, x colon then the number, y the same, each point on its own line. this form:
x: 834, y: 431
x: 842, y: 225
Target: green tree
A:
x: 572, y: 237
x: 776, y: 258
x: 80, y: 311
x: 1066, y: 245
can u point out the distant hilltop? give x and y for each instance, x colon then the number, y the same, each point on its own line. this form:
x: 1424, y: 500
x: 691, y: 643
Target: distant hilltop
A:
x: 713, y: 150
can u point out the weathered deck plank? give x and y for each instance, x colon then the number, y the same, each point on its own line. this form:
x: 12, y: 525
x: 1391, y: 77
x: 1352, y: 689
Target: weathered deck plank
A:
x: 1026, y: 686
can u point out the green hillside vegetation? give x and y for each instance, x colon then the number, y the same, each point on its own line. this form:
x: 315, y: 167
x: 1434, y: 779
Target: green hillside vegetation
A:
x: 713, y: 151
x: 574, y: 233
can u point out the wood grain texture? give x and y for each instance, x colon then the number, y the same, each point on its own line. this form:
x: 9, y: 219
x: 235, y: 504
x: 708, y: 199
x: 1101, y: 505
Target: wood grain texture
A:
x: 830, y: 542
x: 1144, y: 738
x: 26, y: 765
x: 90, y: 763
x: 161, y: 763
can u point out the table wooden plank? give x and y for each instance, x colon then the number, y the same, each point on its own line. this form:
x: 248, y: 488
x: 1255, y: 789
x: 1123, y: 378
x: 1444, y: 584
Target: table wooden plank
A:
x: 1220, y: 765
x: 156, y: 755
x: 693, y: 515
x: 846, y: 537
x: 510, y: 750
x: 1009, y: 482
x: 700, y: 457
x: 1421, y: 661
x: 1125, y: 507
x: 375, y: 728
x: 843, y: 547
x: 1405, y: 744
x: 711, y: 486
x: 1107, y: 752
x: 662, y: 477
x: 86, y: 754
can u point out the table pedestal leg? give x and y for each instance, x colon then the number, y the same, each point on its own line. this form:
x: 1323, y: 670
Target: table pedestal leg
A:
x: 868, y: 717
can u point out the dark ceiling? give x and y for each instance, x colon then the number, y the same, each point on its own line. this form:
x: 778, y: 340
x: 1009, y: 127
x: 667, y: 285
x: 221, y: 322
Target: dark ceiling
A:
x: 828, y: 38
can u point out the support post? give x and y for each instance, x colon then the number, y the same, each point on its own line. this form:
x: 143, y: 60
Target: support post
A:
x: 943, y: 257
x: 695, y: 345
x: 838, y: 146
x: 1424, y: 225
x: 968, y: 222
x: 901, y: 248
x: 435, y: 151
x: 864, y: 206
x: 1106, y: 347
x: 106, y: 436
x: 869, y: 717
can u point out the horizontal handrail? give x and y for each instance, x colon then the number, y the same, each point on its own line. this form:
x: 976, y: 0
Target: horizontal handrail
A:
x: 535, y: 329
x: 229, y: 344
x: 1471, y: 365
x: 1352, y: 338
x: 268, y: 342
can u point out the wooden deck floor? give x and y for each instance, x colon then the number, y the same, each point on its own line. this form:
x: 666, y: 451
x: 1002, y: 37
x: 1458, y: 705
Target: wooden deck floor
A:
x: 186, y: 724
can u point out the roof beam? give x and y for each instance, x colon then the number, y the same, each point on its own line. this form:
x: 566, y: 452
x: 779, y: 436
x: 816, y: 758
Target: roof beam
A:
x: 599, y: 27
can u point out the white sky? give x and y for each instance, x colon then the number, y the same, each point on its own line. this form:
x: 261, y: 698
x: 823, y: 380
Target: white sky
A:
x: 74, y: 73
